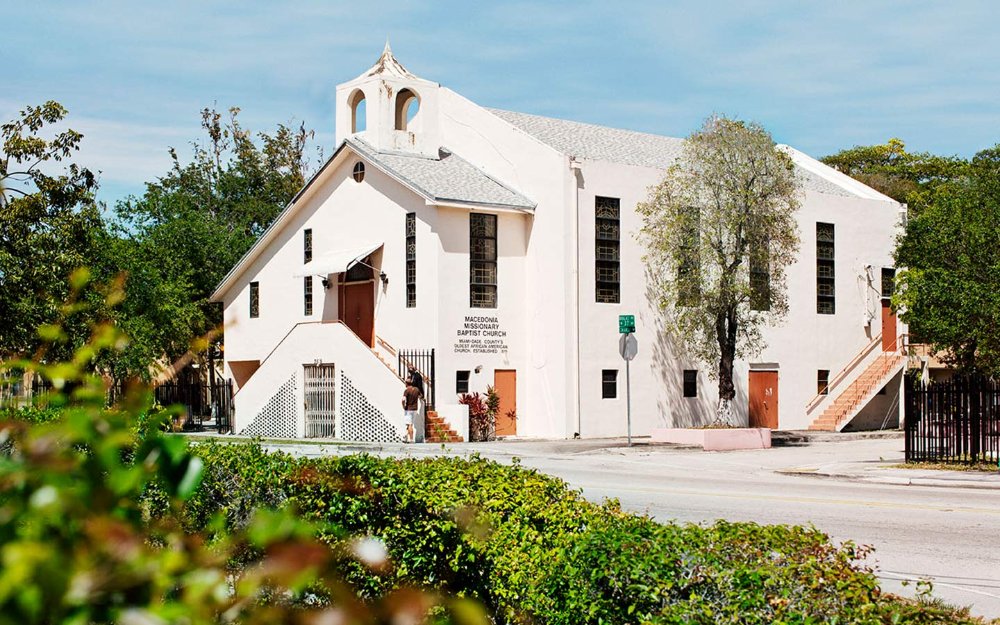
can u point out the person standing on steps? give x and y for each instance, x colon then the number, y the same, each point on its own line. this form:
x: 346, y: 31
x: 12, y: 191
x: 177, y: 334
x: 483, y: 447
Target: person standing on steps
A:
x: 411, y: 405
x: 416, y: 379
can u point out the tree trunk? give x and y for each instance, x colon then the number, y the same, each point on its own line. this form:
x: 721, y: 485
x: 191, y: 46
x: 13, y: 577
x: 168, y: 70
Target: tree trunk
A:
x: 725, y: 328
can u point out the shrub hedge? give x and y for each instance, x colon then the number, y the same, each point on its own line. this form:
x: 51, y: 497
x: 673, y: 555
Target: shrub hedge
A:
x: 534, y: 551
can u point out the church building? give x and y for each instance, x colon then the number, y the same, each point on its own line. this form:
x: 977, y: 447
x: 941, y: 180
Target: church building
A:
x: 493, y: 248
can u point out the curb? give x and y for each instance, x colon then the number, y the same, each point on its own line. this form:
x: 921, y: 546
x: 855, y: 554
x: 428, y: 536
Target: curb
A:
x: 890, y: 479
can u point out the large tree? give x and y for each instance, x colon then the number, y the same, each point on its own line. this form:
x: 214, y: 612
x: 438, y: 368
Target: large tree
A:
x: 720, y: 232
x: 904, y: 176
x: 949, y: 292
x: 178, y: 240
x: 49, y: 227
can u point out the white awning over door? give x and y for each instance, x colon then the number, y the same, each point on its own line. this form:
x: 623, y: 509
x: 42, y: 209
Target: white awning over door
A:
x: 336, y: 261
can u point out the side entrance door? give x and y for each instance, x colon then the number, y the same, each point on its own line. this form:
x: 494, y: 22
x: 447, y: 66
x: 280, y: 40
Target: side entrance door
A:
x: 357, y: 309
x: 764, y: 399
x: 505, y: 384
x: 319, y: 395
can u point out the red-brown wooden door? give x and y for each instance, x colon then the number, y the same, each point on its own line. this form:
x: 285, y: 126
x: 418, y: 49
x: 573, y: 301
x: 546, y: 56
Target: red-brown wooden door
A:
x: 888, y: 327
x: 764, y: 399
x: 505, y: 384
x: 357, y: 310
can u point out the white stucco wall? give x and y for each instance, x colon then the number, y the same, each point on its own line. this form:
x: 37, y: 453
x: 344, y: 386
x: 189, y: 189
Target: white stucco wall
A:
x: 341, y: 213
x: 804, y: 343
x: 546, y: 396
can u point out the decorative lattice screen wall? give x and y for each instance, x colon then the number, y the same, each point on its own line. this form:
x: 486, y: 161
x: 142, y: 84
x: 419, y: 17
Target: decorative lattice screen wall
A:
x: 359, y: 420
x: 277, y: 418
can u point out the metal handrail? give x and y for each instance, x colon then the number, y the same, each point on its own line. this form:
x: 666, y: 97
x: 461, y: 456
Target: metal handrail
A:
x: 389, y: 348
x: 842, y: 374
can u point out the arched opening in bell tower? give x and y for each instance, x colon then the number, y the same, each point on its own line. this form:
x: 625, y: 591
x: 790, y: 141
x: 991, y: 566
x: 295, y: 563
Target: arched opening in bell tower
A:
x: 407, y: 108
x: 359, y: 114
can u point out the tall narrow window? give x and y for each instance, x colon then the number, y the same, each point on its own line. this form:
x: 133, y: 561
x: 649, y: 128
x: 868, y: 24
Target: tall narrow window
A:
x: 482, y: 260
x: 307, y: 295
x: 888, y: 282
x: 689, y: 259
x: 411, y: 260
x: 307, y: 245
x: 822, y: 381
x: 608, y: 245
x: 690, y: 383
x: 254, y: 300
x: 760, y: 277
x: 826, y: 301
x: 609, y: 383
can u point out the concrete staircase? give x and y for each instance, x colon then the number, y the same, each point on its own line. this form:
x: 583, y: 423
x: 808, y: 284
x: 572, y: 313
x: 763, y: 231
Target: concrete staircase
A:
x: 858, y: 393
x: 437, y: 430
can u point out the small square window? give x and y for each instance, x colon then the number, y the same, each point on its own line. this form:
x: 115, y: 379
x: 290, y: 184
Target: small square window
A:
x: 822, y: 381
x: 461, y: 381
x: 690, y: 383
x: 888, y: 282
x: 609, y: 383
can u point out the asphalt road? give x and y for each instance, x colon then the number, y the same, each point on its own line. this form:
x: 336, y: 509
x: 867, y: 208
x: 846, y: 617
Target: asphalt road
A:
x: 948, y: 535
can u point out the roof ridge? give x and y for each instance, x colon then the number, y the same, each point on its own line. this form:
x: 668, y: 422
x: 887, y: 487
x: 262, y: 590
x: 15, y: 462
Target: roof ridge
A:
x: 375, y: 150
x: 589, y: 124
x: 367, y: 150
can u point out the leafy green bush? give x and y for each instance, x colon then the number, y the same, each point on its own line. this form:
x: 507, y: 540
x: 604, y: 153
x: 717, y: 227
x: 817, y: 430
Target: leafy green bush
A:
x: 30, y: 414
x: 99, y: 524
x: 533, y: 551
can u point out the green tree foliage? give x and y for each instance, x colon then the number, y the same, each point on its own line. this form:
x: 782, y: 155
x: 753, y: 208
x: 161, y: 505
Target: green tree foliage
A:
x: 179, y: 239
x: 889, y: 168
x: 49, y: 227
x: 720, y: 233
x: 950, y: 288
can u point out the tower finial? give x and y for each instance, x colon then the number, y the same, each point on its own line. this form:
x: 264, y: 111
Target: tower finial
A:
x: 387, y: 64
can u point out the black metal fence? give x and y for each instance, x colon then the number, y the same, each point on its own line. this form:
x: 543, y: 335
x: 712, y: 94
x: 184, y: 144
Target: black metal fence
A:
x: 206, y: 405
x: 956, y: 420
x: 423, y: 361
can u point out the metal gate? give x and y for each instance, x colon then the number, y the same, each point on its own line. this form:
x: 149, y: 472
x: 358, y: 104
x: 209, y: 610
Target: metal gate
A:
x: 423, y: 361
x: 319, y: 392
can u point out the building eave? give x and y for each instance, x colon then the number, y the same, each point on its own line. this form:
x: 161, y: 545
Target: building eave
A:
x: 218, y: 295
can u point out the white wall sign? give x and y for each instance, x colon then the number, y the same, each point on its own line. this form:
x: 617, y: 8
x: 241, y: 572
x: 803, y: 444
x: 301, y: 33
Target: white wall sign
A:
x: 480, y: 335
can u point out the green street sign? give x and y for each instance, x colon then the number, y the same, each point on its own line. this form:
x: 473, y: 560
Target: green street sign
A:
x: 626, y: 324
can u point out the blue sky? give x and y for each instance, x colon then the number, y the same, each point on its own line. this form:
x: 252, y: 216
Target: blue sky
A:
x: 820, y: 76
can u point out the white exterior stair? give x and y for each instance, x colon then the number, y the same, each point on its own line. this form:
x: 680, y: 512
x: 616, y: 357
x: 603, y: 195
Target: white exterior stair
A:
x: 856, y: 391
x: 367, y: 390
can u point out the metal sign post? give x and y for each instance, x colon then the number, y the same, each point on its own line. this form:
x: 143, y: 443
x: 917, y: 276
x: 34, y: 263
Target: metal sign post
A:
x: 628, y: 347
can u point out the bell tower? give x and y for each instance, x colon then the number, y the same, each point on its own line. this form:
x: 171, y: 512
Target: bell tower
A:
x: 390, y: 109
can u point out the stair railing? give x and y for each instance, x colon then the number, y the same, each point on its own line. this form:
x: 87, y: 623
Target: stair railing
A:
x: 843, y: 373
x: 423, y: 362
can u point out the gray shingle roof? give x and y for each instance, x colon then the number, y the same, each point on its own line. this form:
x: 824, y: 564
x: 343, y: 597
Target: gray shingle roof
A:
x: 628, y: 147
x: 448, y: 178
x: 598, y: 143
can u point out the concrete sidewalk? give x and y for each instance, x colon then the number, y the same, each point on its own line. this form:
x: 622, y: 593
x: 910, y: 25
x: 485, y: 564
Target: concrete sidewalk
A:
x: 882, y: 473
x: 879, y: 472
x: 797, y: 447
